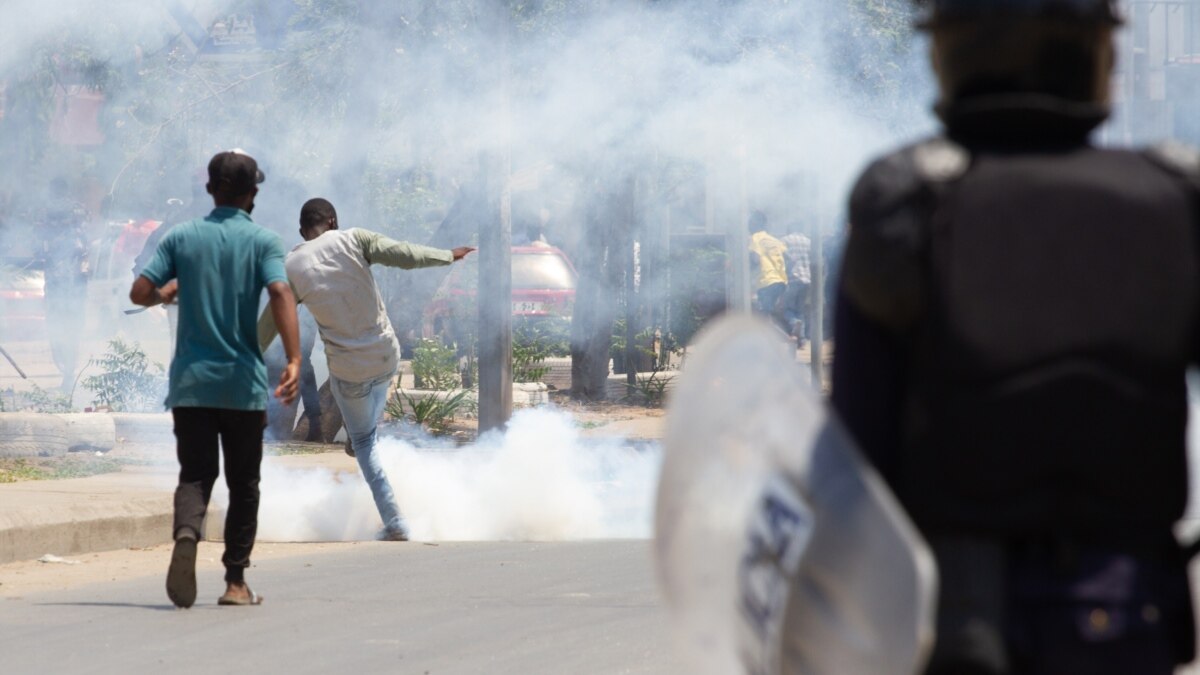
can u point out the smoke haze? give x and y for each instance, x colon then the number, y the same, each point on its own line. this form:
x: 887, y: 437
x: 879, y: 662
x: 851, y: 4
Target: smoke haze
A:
x: 707, y: 108
x: 539, y: 481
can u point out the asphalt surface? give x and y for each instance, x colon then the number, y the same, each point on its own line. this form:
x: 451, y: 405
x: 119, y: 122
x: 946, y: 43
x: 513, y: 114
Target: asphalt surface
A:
x: 381, y: 607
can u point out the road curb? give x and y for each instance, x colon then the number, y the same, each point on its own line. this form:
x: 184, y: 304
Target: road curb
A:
x: 132, y: 508
x: 133, y: 523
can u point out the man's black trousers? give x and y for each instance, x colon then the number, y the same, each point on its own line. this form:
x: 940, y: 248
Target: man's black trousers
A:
x: 240, y: 436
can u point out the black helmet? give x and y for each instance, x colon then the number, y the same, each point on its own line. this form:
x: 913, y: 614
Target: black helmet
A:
x: 1087, y: 11
x: 1061, y: 49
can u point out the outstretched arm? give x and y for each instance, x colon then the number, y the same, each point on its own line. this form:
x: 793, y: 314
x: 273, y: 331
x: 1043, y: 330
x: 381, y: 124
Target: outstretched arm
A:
x: 381, y: 250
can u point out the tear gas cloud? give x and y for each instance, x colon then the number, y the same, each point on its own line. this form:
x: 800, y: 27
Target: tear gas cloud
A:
x: 352, y: 95
x: 539, y: 481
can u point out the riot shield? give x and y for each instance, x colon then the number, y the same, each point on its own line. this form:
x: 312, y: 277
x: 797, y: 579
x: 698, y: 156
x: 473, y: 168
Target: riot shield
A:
x: 779, y: 549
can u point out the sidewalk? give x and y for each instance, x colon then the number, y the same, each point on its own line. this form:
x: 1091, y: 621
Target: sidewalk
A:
x: 128, y: 509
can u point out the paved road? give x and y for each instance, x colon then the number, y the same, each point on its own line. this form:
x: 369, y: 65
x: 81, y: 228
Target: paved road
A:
x: 378, y: 608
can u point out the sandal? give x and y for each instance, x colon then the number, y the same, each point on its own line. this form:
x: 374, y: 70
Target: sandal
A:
x: 227, y: 599
x: 181, y: 575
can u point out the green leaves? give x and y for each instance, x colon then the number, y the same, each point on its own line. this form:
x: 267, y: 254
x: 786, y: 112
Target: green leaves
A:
x: 432, y: 411
x: 435, y: 366
x: 129, y: 382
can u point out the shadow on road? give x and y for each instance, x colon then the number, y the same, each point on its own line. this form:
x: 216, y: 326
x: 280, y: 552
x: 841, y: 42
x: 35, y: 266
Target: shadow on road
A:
x: 106, y: 604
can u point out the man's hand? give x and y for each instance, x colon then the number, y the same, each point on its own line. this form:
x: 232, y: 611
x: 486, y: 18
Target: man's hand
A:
x: 144, y: 292
x: 461, y: 252
x: 289, y: 382
x: 168, y: 292
x: 283, y: 311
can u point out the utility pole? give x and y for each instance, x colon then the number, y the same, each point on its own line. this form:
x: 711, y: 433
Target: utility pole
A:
x: 816, y: 331
x: 737, y: 244
x: 494, y: 293
x: 628, y: 211
x: 810, y: 194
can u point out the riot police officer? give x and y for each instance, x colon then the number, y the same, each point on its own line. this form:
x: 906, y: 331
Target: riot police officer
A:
x: 1016, y: 313
x: 62, y: 250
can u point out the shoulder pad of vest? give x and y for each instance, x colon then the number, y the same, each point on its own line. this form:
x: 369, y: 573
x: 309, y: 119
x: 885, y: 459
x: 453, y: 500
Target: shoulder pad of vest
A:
x: 940, y: 160
x: 884, y: 261
x: 894, y: 179
x: 1178, y: 158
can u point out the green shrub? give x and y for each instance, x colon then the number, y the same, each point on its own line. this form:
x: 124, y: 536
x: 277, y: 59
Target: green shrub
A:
x: 650, y: 390
x: 43, y: 401
x: 435, y: 366
x: 434, y: 412
x: 129, y: 381
x: 534, y: 342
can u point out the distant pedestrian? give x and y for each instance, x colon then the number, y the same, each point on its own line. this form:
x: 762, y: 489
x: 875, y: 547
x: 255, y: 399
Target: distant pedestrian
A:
x: 331, y: 275
x: 794, y: 305
x: 63, y: 254
x: 217, y: 267
x: 768, y: 265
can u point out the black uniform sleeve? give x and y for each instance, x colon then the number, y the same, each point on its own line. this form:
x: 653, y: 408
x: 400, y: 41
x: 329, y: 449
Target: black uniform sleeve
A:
x: 879, y: 299
x: 868, y: 384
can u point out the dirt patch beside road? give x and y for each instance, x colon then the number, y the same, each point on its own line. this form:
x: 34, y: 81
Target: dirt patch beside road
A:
x: 13, y: 470
x: 602, y: 418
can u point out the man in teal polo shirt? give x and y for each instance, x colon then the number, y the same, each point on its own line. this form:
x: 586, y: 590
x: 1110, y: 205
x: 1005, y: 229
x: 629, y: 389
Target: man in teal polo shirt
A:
x: 216, y: 267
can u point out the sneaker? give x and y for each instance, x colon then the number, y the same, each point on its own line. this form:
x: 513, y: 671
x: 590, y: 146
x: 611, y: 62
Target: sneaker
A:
x: 393, y: 534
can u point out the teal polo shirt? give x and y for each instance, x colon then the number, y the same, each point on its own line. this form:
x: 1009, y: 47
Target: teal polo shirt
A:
x: 222, y: 262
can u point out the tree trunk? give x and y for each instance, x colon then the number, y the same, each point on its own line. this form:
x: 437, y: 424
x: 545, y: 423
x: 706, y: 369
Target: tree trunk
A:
x: 494, y: 293
x: 595, y: 305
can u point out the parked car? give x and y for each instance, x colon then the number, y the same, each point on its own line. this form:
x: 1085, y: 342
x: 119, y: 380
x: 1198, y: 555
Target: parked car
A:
x: 543, y: 289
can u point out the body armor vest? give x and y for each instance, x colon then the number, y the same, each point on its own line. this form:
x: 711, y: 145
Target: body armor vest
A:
x: 1049, y: 301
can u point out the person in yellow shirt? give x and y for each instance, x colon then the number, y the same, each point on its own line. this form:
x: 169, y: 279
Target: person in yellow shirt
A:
x: 767, y: 264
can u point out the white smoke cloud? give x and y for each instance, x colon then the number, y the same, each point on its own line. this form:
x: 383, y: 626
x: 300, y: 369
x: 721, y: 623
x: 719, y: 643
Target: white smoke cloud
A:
x: 539, y: 481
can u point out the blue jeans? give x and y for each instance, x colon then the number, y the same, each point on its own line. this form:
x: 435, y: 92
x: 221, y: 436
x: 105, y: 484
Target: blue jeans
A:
x: 361, y: 404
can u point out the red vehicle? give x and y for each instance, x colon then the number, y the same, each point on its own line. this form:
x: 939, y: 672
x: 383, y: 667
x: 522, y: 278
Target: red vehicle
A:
x: 110, y: 261
x: 22, y: 304
x: 543, y: 288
